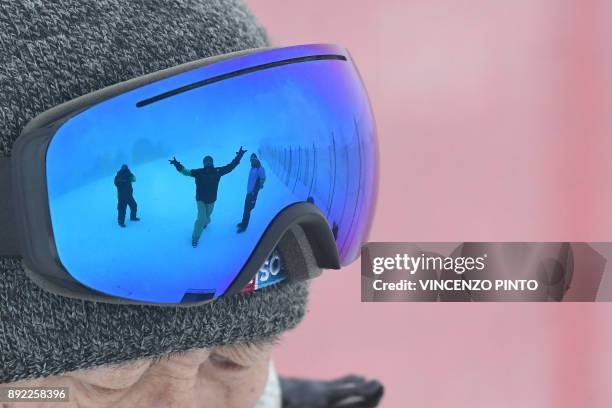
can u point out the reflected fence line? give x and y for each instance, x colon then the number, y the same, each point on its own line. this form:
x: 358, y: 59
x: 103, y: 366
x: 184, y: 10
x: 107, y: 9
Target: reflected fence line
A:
x: 324, y: 175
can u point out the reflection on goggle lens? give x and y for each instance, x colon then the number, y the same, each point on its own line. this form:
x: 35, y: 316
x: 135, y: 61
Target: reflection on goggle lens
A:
x: 168, y: 201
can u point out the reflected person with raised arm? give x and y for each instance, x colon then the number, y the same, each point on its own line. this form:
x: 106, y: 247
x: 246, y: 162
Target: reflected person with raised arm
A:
x: 207, y: 185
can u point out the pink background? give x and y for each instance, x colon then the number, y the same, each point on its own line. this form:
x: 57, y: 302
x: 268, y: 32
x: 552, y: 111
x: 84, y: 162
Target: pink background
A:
x: 494, y: 125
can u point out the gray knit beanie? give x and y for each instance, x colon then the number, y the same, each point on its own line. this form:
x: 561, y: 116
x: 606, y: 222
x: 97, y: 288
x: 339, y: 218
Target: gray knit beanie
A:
x: 54, y: 51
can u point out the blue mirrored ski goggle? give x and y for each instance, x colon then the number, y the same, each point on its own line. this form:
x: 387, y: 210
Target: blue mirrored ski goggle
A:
x: 177, y: 186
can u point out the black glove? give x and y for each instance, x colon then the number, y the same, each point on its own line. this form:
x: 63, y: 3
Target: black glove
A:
x: 175, y: 163
x: 347, y: 392
x: 240, y: 152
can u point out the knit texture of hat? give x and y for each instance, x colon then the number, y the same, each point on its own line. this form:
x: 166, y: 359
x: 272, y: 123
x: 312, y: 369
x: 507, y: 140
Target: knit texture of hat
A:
x: 54, y: 51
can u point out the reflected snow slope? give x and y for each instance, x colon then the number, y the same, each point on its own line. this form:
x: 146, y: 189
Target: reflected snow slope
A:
x: 167, y: 208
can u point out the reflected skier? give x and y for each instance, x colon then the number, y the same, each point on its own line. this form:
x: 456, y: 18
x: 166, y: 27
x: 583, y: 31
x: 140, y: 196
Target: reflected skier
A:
x: 257, y: 177
x: 125, y: 195
x: 207, y: 184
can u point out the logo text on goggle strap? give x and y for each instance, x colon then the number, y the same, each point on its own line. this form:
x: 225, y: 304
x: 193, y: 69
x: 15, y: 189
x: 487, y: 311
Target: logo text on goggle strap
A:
x: 270, y: 273
x: 271, y: 270
x: 413, y: 264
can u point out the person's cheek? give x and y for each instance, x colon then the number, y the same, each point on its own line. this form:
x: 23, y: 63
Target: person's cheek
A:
x: 231, y: 388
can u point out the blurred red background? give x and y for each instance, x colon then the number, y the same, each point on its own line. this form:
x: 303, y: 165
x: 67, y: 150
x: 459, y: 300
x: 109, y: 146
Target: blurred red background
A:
x: 494, y: 125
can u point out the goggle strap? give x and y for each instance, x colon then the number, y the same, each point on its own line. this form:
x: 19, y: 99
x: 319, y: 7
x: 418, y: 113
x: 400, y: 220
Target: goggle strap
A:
x: 8, y: 232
